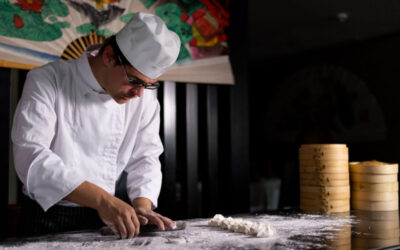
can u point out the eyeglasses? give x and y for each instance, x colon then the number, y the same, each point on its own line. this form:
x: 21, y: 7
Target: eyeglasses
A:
x: 137, y: 82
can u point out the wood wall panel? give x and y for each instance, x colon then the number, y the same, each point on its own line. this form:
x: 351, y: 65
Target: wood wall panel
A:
x: 168, y: 131
x: 4, y: 146
x: 210, y: 187
x: 192, y: 151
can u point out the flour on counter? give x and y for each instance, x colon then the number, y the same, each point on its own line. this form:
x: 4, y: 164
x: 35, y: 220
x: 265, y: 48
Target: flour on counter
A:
x: 294, y: 231
x: 239, y: 225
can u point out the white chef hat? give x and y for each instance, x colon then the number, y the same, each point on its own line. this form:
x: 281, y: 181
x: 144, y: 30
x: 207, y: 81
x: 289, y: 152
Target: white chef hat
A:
x: 148, y: 44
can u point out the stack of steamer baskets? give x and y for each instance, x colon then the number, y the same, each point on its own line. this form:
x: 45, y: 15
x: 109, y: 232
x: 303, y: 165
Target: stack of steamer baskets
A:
x: 374, y: 186
x: 324, y: 178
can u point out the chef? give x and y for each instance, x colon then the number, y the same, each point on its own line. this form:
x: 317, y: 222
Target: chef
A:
x: 82, y: 124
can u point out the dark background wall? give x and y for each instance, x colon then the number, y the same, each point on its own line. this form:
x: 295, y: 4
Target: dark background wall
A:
x: 296, y: 47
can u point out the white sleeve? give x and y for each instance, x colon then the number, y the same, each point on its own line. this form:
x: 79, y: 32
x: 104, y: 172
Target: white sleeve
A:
x: 144, y: 168
x: 45, y: 177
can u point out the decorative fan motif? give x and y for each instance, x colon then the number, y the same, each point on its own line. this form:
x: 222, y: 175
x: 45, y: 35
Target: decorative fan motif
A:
x: 35, y: 32
x: 77, y: 47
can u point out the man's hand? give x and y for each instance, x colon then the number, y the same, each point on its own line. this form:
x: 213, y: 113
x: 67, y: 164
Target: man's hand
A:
x: 120, y: 217
x: 147, y: 215
x: 115, y: 213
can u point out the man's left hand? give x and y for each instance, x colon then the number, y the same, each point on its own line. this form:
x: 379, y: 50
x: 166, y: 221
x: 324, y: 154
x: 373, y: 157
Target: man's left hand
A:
x: 146, y: 215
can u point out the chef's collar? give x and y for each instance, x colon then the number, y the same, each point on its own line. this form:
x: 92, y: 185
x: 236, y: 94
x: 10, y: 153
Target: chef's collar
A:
x: 86, y: 72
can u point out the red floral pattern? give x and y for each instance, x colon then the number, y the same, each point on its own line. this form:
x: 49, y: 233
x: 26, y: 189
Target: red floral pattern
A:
x: 18, y: 22
x: 31, y: 5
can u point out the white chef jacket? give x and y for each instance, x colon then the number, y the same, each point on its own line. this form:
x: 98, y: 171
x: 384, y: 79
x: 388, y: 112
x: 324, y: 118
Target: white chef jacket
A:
x: 67, y: 130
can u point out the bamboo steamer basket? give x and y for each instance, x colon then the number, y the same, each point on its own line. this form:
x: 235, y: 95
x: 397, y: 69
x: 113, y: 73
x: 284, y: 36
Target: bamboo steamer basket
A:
x: 324, y: 157
x: 374, y: 187
x: 324, y: 178
x: 323, y: 152
x: 373, y: 178
x: 374, y: 167
x: 325, y: 202
x: 371, y: 196
x: 335, y: 176
x: 375, y: 205
x: 325, y: 190
x: 324, y: 199
x: 323, y: 209
x: 323, y: 148
x: 332, y: 196
x: 323, y: 182
x: 325, y: 163
x: 326, y: 167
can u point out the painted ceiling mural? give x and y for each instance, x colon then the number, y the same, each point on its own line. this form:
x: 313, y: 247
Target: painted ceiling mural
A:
x: 35, y: 32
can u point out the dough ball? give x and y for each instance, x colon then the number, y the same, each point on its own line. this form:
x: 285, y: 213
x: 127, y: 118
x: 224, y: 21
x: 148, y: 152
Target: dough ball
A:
x: 176, y: 240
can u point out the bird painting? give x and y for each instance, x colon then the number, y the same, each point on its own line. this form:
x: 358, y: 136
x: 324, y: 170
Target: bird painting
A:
x: 97, y: 17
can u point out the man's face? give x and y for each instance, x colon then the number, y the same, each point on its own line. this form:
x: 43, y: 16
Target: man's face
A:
x: 120, y: 89
x: 117, y: 85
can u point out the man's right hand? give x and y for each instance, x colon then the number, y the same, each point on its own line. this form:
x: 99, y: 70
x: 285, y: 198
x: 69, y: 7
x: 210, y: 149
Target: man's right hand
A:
x: 120, y: 217
x: 115, y: 213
